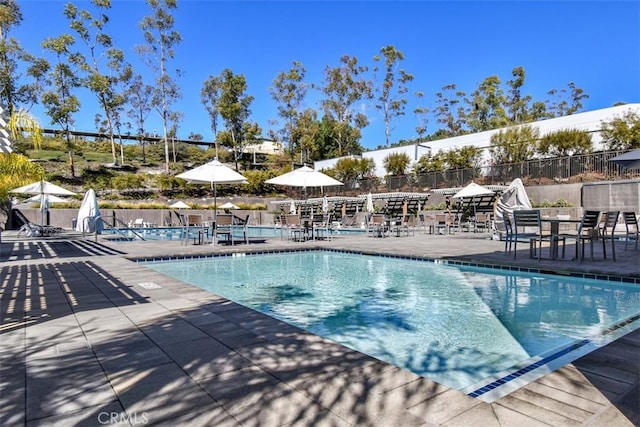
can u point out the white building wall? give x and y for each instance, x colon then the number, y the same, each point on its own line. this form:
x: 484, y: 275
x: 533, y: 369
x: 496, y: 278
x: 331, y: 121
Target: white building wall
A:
x: 589, y: 121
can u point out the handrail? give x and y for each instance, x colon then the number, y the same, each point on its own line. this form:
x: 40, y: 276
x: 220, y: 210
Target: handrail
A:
x: 118, y: 230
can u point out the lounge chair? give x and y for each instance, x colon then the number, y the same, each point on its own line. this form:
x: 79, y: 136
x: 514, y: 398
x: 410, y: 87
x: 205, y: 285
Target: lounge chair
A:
x: 35, y: 230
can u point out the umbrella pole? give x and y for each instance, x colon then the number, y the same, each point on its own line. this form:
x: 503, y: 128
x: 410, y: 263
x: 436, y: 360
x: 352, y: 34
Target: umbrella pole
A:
x: 215, y: 213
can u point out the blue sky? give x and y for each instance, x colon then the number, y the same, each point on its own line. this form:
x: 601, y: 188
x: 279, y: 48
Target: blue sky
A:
x: 594, y: 44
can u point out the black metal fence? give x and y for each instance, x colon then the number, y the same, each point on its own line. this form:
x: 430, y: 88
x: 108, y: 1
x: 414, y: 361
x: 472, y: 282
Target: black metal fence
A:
x: 559, y: 170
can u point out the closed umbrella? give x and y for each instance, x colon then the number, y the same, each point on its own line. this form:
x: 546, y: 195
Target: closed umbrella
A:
x: 325, y: 205
x: 369, y: 204
x: 87, y: 221
x: 292, y: 208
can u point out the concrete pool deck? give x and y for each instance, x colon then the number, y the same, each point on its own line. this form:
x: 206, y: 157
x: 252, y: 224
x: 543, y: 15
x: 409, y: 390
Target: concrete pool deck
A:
x: 88, y: 337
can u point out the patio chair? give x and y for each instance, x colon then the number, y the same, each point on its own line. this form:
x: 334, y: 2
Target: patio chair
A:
x: 481, y: 222
x: 323, y: 228
x: 527, y: 227
x: 442, y: 224
x: 195, y: 226
x: 508, y: 233
x: 631, y: 227
x: 587, y: 232
x: 293, y: 227
x: 607, y: 232
x: 223, y: 227
x: 377, y: 226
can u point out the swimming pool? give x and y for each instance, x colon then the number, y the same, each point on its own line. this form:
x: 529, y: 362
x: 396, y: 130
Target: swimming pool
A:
x: 483, y: 331
x: 178, y: 233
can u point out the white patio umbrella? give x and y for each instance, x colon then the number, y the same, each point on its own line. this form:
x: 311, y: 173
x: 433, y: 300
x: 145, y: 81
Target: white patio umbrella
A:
x: 43, y: 188
x: 471, y: 191
x: 304, y: 177
x: 87, y: 220
x: 179, y: 205
x: 213, y: 173
x: 292, y: 208
x: 229, y: 205
x: 49, y: 197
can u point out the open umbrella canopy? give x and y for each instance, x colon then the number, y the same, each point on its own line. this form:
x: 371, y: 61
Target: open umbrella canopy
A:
x: 629, y: 160
x: 229, y: 205
x: 43, y: 187
x: 212, y: 173
x: 472, y: 190
x: 304, y: 177
x: 179, y: 205
x: 50, y: 198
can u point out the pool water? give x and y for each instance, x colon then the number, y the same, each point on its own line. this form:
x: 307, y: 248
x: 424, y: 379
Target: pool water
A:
x: 460, y: 326
x: 178, y: 233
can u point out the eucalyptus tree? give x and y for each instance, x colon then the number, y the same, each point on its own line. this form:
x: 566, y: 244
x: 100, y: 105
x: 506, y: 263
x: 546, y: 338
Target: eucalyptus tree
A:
x: 174, y: 120
x: 234, y: 106
x: 160, y: 39
x: 449, y: 111
x: 105, y: 80
x: 486, y: 106
x: 344, y: 88
x: 289, y: 91
x: 15, y: 94
x: 305, y: 130
x: 565, y: 102
x: 517, y: 104
x: 139, y: 96
x: 389, y: 87
x: 421, y: 112
x: 59, y: 100
x: 210, y: 98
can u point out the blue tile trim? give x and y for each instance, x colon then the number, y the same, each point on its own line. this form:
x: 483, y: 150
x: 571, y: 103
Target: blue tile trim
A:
x: 507, y: 378
x: 544, y: 361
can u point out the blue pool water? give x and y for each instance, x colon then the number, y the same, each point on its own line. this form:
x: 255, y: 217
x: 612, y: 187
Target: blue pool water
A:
x: 460, y: 326
x: 178, y: 233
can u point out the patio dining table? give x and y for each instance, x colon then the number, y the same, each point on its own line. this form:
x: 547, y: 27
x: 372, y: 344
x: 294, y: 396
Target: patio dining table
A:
x: 555, y: 231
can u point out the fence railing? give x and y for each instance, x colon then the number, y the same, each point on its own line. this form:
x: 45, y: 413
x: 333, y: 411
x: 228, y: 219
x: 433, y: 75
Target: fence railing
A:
x: 571, y: 169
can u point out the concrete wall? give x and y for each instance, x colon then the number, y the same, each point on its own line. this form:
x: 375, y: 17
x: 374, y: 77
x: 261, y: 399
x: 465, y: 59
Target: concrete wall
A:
x: 603, y: 196
x: 552, y: 193
x: 614, y: 196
